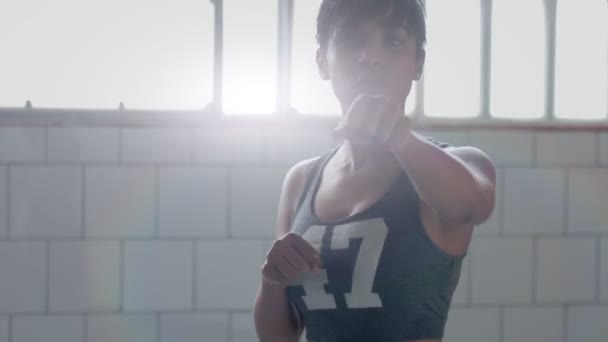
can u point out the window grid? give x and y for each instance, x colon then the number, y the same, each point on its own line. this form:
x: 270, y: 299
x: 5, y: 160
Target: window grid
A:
x: 283, y: 106
x: 551, y: 22
x: 486, y: 60
x: 218, y: 67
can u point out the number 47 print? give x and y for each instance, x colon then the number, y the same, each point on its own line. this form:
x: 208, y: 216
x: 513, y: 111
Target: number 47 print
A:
x: 373, y: 233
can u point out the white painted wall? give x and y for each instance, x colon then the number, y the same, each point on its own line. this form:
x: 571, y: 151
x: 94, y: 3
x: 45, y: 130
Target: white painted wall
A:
x: 158, y: 234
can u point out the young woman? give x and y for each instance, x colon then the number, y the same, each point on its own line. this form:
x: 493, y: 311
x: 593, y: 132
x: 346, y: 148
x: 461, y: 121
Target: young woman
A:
x: 372, y: 234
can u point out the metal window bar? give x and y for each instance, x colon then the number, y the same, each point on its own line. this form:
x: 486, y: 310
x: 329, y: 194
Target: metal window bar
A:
x: 419, y: 105
x: 285, y: 41
x: 551, y: 23
x: 486, y: 59
x: 286, y: 9
x: 216, y: 106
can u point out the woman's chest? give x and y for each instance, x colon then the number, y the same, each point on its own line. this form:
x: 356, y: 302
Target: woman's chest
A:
x: 339, y: 198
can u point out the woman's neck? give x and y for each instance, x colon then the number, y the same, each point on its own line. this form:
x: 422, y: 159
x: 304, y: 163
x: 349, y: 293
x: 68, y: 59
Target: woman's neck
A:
x: 356, y: 157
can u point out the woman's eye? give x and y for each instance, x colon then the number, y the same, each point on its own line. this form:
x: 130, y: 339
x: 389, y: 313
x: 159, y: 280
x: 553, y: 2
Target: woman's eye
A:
x: 348, y: 40
x: 396, y: 42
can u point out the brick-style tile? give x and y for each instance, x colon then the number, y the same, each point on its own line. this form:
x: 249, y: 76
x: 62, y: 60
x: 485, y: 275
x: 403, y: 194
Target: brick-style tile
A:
x: 121, y: 328
x: 228, y: 273
x: 557, y: 148
x: 83, y: 145
x: 45, y: 202
x: 472, y: 324
x: 534, y: 201
x: 505, y: 147
x: 537, y: 324
x: 157, y: 145
x: 120, y: 202
x: 588, y: 323
x: 158, y: 275
x: 501, y: 270
x: 566, y: 270
x: 587, y: 198
x: 255, y: 200
x: 22, y: 144
x: 48, y: 329
x: 193, y: 202
x: 195, y: 328
x: 22, y: 277
x: 84, y: 276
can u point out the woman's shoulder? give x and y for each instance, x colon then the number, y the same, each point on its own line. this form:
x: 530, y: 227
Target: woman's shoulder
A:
x: 298, y: 174
x: 295, y: 181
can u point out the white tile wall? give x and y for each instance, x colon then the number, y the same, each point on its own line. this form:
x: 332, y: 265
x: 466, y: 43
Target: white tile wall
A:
x: 22, y: 144
x: 230, y: 146
x: 195, y: 327
x: 472, y: 325
x: 120, y: 202
x: 83, y: 145
x: 566, y: 148
x: 461, y: 294
x: 493, y: 225
x: 156, y: 145
x: 454, y: 138
x: 211, y: 196
x: 587, y: 199
x: 48, y: 329
x: 45, y: 202
x: 3, y: 202
x: 588, y: 323
x: 158, y: 276
x: 505, y: 147
x: 566, y: 270
x: 534, y: 201
x: 228, y: 273
x: 290, y: 146
x: 533, y: 324
x: 121, y: 328
x: 501, y: 270
x: 255, y: 196
x: 243, y: 328
x: 84, y: 276
x: 604, y: 149
x: 4, y: 327
x: 193, y: 202
x: 22, y: 277
x: 604, y: 270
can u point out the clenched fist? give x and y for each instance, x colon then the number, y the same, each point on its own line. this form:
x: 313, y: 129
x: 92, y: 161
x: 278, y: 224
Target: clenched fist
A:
x: 288, y: 258
x: 373, y: 119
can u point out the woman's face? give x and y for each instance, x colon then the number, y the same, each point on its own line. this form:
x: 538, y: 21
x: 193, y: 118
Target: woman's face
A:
x: 370, y: 56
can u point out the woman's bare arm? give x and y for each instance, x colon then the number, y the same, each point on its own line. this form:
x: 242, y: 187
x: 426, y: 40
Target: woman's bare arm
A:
x: 275, y: 319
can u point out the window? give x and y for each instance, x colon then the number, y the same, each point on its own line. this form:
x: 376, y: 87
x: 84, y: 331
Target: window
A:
x: 159, y: 55
x: 410, y: 102
x: 581, y: 78
x: 250, y: 56
x: 309, y: 94
x: 452, y: 72
x: 518, y: 59
x: 94, y: 54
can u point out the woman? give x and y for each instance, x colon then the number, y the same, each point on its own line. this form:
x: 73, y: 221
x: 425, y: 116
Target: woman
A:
x: 371, y: 235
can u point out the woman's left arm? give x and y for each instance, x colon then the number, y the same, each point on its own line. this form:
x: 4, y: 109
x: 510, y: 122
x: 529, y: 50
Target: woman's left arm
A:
x: 457, y: 182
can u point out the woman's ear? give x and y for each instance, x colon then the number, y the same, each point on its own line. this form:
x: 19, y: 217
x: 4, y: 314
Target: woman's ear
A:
x: 420, y: 58
x: 322, y: 65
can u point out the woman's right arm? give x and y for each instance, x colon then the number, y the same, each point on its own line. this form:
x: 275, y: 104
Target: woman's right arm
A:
x: 275, y: 319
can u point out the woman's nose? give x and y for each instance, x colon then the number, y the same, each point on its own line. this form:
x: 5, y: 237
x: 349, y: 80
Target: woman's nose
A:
x: 370, y: 54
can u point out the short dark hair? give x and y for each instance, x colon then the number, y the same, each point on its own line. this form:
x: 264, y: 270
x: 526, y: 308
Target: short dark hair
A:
x: 410, y: 11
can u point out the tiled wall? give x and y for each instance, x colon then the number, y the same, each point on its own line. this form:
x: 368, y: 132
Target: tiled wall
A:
x: 158, y: 234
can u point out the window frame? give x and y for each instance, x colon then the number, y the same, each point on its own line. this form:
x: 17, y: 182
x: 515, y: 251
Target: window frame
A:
x: 283, y: 108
